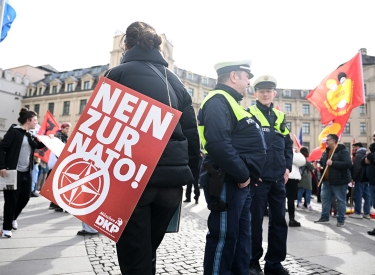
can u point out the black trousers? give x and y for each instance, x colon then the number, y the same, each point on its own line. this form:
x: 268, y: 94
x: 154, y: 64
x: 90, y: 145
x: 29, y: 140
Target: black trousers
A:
x: 277, y: 226
x: 196, y: 187
x: 291, y: 195
x: 16, y: 200
x: 136, y: 248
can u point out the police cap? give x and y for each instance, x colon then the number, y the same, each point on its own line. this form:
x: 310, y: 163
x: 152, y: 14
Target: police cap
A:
x: 230, y: 66
x: 265, y: 82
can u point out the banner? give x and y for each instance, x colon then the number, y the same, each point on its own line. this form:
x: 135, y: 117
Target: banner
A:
x: 340, y: 91
x: 336, y: 127
x: 110, y: 156
x: 49, y: 127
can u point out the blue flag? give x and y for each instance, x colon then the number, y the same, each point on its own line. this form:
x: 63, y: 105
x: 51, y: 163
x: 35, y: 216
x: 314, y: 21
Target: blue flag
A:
x: 9, y: 16
x: 300, y: 136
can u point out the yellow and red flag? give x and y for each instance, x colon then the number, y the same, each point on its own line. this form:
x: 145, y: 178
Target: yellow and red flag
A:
x: 49, y: 126
x: 339, y: 92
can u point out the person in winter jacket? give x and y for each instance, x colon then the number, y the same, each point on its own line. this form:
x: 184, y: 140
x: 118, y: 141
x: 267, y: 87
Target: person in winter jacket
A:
x: 16, y: 153
x: 305, y: 184
x: 145, y: 230
x: 292, y: 185
x: 361, y: 184
x: 370, y: 172
x: 336, y: 162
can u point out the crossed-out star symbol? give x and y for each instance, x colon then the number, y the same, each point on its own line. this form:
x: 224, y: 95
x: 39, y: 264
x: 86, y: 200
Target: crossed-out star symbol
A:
x: 81, y: 183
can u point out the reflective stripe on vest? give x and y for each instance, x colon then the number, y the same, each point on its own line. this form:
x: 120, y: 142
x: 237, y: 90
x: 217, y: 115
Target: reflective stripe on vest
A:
x: 238, y: 111
x: 264, y: 122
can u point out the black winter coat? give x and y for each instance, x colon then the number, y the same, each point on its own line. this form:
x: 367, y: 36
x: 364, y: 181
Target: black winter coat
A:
x: 371, y: 158
x: 339, y: 171
x: 235, y: 146
x: 10, y: 147
x: 61, y: 136
x: 181, y: 155
x: 358, y: 168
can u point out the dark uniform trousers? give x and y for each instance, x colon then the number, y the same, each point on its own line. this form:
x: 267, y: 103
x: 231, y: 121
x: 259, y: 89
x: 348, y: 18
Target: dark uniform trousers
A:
x: 275, y: 192
x: 228, y: 239
x: 136, y: 248
x: 16, y: 200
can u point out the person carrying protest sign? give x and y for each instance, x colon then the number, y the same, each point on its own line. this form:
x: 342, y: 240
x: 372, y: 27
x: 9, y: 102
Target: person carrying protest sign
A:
x: 144, y: 70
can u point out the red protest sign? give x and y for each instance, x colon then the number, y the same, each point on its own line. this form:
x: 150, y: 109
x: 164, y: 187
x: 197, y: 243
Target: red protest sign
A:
x: 110, y: 156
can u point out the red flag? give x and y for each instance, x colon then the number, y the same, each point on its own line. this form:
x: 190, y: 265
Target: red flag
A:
x: 336, y: 127
x: 340, y: 91
x: 49, y: 126
x: 315, y: 154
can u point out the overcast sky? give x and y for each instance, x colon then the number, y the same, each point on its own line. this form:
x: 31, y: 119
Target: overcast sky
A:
x: 298, y: 42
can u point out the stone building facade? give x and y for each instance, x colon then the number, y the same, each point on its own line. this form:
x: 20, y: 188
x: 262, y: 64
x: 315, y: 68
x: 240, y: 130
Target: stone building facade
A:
x: 66, y: 93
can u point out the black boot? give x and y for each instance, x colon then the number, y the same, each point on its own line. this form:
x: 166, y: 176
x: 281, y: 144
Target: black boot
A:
x: 294, y: 223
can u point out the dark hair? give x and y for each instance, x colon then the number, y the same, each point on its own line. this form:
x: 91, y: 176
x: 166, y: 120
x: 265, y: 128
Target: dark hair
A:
x: 143, y: 35
x: 25, y: 115
x: 334, y: 137
x: 304, y: 151
x: 341, y: 75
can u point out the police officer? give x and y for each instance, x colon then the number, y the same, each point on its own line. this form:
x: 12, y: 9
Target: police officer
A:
x: 271, y: 184
x: 228, y: 134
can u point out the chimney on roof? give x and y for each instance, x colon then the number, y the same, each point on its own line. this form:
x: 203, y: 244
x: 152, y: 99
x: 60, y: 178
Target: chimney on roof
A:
x: 363, y: 51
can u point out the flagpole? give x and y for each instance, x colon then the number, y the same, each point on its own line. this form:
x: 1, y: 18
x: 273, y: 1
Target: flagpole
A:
x: 2, y: 15
x: 364, y: 98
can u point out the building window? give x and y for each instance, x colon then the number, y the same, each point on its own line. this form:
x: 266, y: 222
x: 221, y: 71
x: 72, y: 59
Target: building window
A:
x: 362, y: 110
x: 304, y: 93
x: 191, y: 92
x: 205, y: 94
x: 96, y: 70
x: 347, y: 128
x: 82, y: 105
x: 287, y: 93
x: 306, y: 144
x: 64, y: 75
x: 78, y: 73
x: 189, y: 76
x: 36, y: 108
x: 51, y: 107
x: 30, y: 92
x: 27, y: 107
x: 54, y: 89
x: 306, y: 109
x: 40, y: 91
x: 86, y: 85
x: 289, y: 126
x: 288, y: 107
x: 70, y: 87
x: 204, y: 81
x: 362, y: 128
x: 66, y: 107
x: 306, y: 128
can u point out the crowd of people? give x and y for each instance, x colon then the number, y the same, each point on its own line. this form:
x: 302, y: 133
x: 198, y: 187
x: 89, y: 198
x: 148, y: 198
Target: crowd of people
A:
x: 244, y: 159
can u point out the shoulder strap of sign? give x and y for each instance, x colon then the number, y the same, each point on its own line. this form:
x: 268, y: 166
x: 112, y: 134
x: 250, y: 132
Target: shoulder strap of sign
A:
x: 165, y: 80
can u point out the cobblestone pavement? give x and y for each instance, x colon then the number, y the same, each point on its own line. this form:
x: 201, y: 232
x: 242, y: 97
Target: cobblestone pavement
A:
x: 181, y: 253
